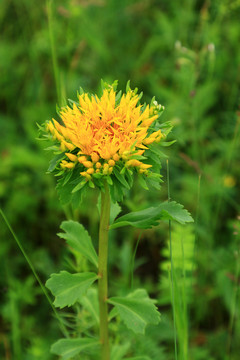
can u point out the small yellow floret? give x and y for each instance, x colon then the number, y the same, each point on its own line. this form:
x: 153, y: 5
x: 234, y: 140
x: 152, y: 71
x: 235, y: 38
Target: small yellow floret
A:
x: 65, y: 164
x: 81, y: 159
x: 90, y: 171
x: 95, y: 157
x: 133, y: 162
x: 86, y: 175
x: 62, y: 146
x: 70, y: 165
x: 98, y: 165
x: 50, y: 127
x: 69, y: 146
x: 71, y: 157
x: 87, y: 164
x: 111, y: 162
x: 116, y: 157
x: 145, y: 166
x: 105, y: 169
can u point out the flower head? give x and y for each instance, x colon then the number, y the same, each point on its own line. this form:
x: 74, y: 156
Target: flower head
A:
x: 106, y: 137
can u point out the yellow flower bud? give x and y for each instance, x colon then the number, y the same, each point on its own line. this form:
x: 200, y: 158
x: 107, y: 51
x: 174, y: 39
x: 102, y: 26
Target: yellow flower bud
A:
x: 69, y: 146
x: 64, y: 164
x: 69, y: 165
x: 50, y: 127
x: 86, y: 175
x: 133, y: 162
x: 111, y: 162
x: 95, y: 157
x: 81, y: 159
x: 90, y: 171
x: 145, y: 166
x: 98, y: 165
x: 116, y: 157
x: 71, y: 157
x: 62, y: 146
x: 87, y: 164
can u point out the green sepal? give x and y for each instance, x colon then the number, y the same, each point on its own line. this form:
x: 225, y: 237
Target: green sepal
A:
x: 68, y: 348
x: 69, y: 288
x: 136, y: 310
x: 78, y: 238
x: 146, y: 219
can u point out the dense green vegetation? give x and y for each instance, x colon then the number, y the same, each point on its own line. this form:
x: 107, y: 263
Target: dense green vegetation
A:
x: 187, y: 55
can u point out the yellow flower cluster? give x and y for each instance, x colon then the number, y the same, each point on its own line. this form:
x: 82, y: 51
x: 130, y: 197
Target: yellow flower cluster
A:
x: 99, y: 132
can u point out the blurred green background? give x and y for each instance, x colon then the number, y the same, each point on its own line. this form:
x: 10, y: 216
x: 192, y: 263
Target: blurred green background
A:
x: 187, y: 55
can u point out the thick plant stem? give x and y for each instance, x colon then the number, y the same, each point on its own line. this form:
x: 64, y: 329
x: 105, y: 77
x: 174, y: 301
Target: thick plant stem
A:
x: 102, y: 271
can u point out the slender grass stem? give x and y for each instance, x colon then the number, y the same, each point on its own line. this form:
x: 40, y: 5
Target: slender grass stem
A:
x: 53, y: 51
x: 172, y: 269
x: 102, y: 272
x: 62, y: 326
x: 233, y: 306
x: 227, y: 165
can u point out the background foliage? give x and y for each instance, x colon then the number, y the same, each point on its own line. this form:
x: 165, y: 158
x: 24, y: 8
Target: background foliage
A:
x: 187, y: 55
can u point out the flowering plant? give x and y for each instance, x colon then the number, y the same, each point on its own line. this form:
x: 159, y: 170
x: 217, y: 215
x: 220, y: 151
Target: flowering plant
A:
x: 102, y: 142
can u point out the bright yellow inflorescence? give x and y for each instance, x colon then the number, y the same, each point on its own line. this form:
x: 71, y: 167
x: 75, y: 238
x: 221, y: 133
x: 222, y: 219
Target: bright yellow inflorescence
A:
x: 97, y: 133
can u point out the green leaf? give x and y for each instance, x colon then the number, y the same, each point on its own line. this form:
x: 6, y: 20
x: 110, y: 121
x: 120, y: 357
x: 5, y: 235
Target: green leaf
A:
x: 114, y: 211
x: 118, y: 351
x: 79, y: 186
x: 145, y: 219
x: 142, y: 182
x: 167, y: 143
x: 53, y: 163
x: 69, y: 288
x: 67, y: 348
x: 90, y: 303
x: 121, y: 178
x: 136, y: 310
x: 78, y: 238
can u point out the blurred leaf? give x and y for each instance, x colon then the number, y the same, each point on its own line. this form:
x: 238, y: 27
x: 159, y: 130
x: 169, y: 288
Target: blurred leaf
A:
x: 150, y: 217
x: 90, y: 303
x: 78, y: 238
x: 139, y: 358
x: 118, y: 351
x: 67, y: 348
x: 136, y: 310
x: 69, y: 288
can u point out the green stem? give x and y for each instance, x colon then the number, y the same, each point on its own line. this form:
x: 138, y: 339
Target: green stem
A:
x: 102, y: 271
